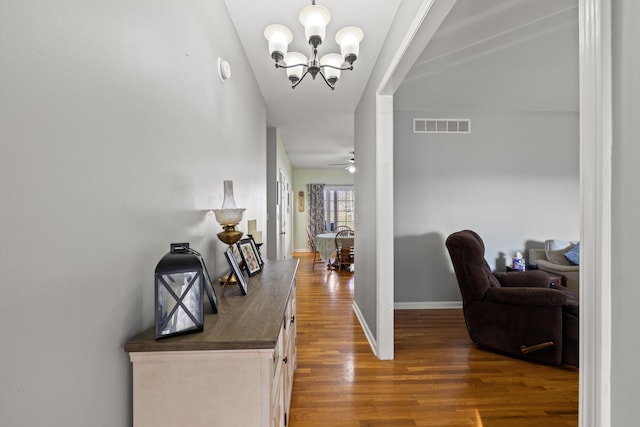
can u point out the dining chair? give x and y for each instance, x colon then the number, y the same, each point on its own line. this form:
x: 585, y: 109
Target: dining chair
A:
x: 345, y: 253
x: 342, y: 227
x: 314, y: 248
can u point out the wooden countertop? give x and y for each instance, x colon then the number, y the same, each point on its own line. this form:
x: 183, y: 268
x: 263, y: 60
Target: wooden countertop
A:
x: 252, y: 321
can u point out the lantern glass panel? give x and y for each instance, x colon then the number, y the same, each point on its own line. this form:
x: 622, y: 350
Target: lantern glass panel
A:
x: 179, y: 302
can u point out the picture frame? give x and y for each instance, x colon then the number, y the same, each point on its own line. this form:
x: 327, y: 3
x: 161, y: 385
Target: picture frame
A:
x: 236, y: 271
x: 249, y: 256
x: 257, y: 251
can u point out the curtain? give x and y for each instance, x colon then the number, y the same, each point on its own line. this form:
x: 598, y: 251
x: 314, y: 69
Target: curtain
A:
x: 316, y: 208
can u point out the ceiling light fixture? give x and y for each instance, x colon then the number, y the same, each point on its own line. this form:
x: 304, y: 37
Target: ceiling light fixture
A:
x: 314, y: 19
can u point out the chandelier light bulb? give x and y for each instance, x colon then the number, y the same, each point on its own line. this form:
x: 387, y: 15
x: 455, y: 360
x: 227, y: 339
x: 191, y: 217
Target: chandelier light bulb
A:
x: 294, y: 58
x: 333, y: 60
x: 279, y: 38
x: 315, y: 19
x: 349, y: 39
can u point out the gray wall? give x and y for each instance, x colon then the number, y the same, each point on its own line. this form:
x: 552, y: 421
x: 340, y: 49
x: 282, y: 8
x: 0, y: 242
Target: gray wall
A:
x: 116, y: 135
x: 625, y: 374
x: 514, y: 179
x: 365, y: 292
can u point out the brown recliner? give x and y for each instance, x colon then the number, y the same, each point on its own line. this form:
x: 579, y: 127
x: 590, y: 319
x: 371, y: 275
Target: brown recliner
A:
x: 516, y: 313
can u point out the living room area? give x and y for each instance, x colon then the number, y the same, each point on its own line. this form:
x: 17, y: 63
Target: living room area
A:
x: 514, y: 176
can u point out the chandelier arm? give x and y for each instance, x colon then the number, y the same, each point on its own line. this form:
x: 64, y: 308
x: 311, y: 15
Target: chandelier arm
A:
x: 338, y: 68
x: 292, y: 66
x: 293, y: 86
x: 325, y: 80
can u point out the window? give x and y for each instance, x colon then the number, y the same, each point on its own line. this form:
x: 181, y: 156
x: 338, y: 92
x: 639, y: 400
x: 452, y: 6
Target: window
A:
x: 339, y: 204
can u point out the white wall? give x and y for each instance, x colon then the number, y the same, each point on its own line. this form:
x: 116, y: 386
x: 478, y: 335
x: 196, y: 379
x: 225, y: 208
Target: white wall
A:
x: 514, y: 179
x: 302, y: 177
x: 116, y: 135
x: 625, y: 374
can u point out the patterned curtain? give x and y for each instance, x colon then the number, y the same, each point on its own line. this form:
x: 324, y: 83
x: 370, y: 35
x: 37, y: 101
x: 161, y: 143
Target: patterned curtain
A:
x: 316, y: 208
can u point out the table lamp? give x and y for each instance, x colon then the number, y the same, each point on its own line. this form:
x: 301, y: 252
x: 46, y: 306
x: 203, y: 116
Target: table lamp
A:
x: 228, y: 217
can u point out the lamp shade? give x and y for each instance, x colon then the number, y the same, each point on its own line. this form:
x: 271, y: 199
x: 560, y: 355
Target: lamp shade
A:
x: 294, y: 58
x: 315, y: 19
x: 179, y: 284
x: 334, y: 60
x: 279, y: 38
x: 349, y: 39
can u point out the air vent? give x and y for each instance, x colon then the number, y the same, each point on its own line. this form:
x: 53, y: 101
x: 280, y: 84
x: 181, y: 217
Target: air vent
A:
x: 441, y: 126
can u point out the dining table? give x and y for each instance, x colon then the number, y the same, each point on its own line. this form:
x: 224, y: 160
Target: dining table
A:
x: 326, y: 244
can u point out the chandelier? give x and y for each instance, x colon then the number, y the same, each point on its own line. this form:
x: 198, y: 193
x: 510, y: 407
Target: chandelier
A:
x: 314, y: 19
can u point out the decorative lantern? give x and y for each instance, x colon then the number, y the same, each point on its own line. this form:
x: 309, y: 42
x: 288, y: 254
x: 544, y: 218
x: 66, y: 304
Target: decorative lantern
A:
x: 178, y: 293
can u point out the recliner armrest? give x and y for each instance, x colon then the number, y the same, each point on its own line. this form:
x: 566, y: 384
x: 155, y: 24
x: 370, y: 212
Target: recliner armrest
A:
x: 526, y: 296
x: 524, y: 279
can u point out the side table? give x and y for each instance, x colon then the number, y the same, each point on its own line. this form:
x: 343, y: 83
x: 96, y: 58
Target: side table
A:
x: 555, y: 280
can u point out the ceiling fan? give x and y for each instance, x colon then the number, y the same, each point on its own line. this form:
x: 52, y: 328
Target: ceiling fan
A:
x: 350, y: 165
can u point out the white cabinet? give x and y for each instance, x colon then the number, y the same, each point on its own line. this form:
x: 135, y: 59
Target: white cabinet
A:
x: 237, y: 372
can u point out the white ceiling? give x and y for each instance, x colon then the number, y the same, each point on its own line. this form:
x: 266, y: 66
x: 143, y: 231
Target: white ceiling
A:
x: 499, y: 54
x: 315, y: 122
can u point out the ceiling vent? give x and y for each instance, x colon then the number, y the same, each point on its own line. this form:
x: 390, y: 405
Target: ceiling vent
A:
x: 441, y: 126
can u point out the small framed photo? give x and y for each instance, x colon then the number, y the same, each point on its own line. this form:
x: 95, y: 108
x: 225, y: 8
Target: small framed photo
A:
x: 235, y: 270
x: 256, y: 250
x: 249, y: 256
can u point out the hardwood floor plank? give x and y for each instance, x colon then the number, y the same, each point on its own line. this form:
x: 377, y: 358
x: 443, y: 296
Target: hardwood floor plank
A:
x: 438, y: 377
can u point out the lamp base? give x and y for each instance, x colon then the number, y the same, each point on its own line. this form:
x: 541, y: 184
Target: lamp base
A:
x: 230, y: 235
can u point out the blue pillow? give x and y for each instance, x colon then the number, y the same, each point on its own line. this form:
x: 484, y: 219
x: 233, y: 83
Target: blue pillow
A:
x: 573, y: 254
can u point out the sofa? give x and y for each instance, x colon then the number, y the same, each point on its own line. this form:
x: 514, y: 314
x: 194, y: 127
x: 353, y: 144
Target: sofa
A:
x: 559, y: 257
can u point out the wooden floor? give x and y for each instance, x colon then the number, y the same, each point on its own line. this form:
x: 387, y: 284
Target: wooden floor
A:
x: 438, y: 377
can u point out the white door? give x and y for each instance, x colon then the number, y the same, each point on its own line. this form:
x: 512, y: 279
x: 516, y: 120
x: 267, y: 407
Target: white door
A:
x: 282, y: 214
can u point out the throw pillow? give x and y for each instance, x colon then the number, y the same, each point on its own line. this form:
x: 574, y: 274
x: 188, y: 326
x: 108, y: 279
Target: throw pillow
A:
x: 555, y: 250
x: 573, y: 254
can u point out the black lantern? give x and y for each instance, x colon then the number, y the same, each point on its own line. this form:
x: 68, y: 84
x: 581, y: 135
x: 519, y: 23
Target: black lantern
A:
x: 178, y: 292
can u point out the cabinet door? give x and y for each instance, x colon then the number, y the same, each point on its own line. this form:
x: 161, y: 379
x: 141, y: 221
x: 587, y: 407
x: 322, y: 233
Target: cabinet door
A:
x: 277, y: 406
x: 289, y: 361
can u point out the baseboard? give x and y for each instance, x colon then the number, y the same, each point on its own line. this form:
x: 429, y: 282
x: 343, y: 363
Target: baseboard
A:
x: 427, y: 305
x: 302, y: 250
x: 365, y: 328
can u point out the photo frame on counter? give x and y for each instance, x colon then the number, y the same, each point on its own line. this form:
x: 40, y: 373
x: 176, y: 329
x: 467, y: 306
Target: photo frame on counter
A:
x: 236, y: 271
x: 257, y: 251
x: 250, y: 256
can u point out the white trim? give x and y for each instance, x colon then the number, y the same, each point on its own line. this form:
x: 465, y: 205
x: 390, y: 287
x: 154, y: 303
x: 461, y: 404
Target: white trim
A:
x: 428, y: 305
x: 365, y: 328
x: 595, y: 191
x: 391, y: 80
x: 384, y: 226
